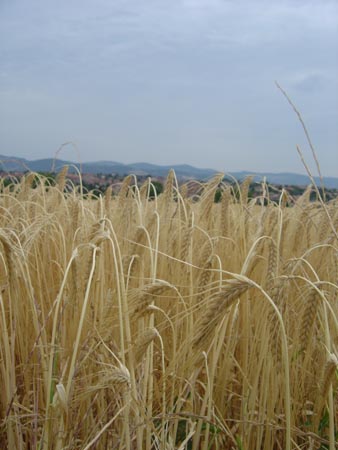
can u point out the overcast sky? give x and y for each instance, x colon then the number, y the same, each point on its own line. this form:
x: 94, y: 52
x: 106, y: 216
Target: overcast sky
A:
x: 170, y: 81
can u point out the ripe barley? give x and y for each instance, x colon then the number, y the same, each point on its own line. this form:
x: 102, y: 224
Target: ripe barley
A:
x: 61, y: 178
x: 217, y: 306
x: 309, y: 317
x: 329, y: 374
x: 245, y: 185
x: 140, y: 299
x: 186, y: 242
x: 272, y: 266
x: 119, y: 377
x: 85, y: 284
x: 143, y: 343
x: 204, y: 278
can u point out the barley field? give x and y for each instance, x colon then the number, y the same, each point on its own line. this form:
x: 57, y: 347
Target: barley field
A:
x: 174, y: 322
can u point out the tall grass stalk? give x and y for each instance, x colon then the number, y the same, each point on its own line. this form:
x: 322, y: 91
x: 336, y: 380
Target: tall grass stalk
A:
x: 167, y: 322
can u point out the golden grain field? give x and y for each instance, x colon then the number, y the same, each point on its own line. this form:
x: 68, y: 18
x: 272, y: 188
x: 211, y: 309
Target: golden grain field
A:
x: 167, y: 323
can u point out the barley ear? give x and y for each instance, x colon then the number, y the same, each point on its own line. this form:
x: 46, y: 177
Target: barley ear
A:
x: 309, y: 317
x: 329, y: 373
x: 61, y: 178
x: 218, y: 305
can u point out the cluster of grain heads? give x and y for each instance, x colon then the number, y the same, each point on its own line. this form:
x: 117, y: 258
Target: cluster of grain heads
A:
x: 215, y: 308
x: 139, y: 300
x: 187, y: 320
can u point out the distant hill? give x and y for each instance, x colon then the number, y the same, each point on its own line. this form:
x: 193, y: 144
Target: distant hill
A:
x: 183, y: 171
x: 288, y: 179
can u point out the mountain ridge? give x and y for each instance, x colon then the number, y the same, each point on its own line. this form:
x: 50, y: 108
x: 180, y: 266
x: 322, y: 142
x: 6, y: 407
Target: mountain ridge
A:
x: 183, y: 171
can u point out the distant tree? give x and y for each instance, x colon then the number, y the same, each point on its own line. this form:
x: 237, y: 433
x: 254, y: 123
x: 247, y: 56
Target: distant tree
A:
x: 218, y: 195
x: 156, y: 188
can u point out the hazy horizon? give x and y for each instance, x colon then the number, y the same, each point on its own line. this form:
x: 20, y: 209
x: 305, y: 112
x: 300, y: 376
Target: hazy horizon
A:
x: 180, y: 82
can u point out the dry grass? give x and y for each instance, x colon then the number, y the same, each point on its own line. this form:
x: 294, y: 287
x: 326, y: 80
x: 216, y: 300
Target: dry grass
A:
x: 167, y: 324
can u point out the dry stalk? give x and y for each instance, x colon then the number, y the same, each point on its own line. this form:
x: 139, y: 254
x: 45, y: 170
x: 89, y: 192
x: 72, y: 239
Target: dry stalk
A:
x: 107, y: 200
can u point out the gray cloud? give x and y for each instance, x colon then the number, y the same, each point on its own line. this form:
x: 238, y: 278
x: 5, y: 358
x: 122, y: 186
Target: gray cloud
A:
x: 311, y: 82
x: 179, y: 76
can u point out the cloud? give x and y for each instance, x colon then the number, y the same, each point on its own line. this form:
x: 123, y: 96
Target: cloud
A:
x: 48, y: 38
x: 311, y: 82
x: 75, y: 23
x: 198, y: 72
